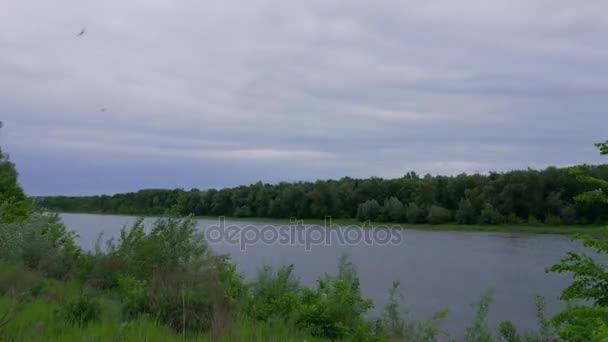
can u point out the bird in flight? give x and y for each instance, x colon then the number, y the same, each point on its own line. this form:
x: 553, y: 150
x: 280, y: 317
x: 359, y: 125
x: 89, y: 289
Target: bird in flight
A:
x: 104, y: 109
x: 82, y: 32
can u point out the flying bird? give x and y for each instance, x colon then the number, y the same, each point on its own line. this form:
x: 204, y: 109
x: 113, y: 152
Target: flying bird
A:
x: 104, y: 109
x: 82, y: 32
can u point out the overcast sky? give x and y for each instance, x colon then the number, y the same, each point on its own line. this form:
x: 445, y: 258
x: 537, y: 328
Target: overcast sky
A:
x: 221, y: 93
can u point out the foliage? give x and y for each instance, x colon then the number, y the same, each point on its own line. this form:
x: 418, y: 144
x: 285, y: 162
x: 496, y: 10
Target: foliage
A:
x: 394, y: 210
x: 274, y: 294
x: 369, y: 210
x: 167, y: 272
x: 14, y: 206
x: 438, y: 215
x: 553, y: 220
x: 516, y: 194
x: 41, y: 242
x: 81, y: 311
x: 465, y: 213
x: 478, y: 331
x: 183, y: 300
x: 590, y: 277
x: 335, y: 308
x: 415, y: 214
x: 243, y: 211
x: 508, y: 332
x: 490, y: 215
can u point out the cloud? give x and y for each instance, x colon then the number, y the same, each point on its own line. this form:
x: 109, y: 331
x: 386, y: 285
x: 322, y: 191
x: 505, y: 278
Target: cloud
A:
x: 283, y: 90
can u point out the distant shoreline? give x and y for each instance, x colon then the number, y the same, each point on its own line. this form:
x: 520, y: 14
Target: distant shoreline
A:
x: 447, y: 227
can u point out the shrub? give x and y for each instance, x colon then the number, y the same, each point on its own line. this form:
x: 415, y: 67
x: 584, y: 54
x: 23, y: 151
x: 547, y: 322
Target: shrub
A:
x: 508, y: 332
x: 439, y: 215
x: 478, y: 331
x: 81, y: 311
x: 568, y: 215
x: 243, y: 211
x: 182, y: 299
x: 533, y: 221
x: 101, y: 271
x: 369, y: 210
x: 335, y: 308
x: 553, y: 220
x: 40, y: 242
x: 489, y: 215
x: 465, y: 213
x: 15, y: 281
x: 415, y: 214
x: 394, y: 210
x: 274, y: 294
x: 513, y: 219
x: 171, y: 243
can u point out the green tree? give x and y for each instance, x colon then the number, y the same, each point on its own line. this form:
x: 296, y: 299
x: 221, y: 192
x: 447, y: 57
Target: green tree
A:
x: 465, y: 213
x: 490, y: 215
x: 394, y: 210
x: 14, y: 205
x: 438, y: 215
x: 369, y: 210
x: 590, y: 277
x: 415, y: 214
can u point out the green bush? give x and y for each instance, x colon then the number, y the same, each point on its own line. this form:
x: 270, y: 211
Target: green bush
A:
x: 16, y: 282
x: 369, y: 210
x: 184, y: 300
x: 508, y: 332
x: 274, y: 294
x: 14, y: 206
x: 478, y: 331
x: 41, y: 242
x: 553, y: 220
x: 513, y: 219
x: 415, y: 214
x: 438, y: 215
x: 243, y: 211
x: 335, y: 308
x: 465, y: 213
x: 81, y: 311
x: 568, y: 215
x: 394, y: 210
x: 171, y: 243
x: 533, y: 221
x: 489, y: 215
x: 101, y: 271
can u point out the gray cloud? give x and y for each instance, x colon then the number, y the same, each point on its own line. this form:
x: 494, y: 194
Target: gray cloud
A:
x: 217, y: 94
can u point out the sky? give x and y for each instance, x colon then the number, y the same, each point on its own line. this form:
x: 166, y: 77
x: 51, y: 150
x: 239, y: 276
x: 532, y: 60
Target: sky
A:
x: 182, y: 94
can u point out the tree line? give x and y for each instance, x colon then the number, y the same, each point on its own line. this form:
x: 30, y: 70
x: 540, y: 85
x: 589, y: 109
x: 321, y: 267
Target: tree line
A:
x: 521, y: 196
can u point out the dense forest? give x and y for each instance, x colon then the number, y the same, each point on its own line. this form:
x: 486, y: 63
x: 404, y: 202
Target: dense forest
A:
x: 522, y: 196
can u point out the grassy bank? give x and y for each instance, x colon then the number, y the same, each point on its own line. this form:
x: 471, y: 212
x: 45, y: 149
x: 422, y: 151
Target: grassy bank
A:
x: 32, y: 309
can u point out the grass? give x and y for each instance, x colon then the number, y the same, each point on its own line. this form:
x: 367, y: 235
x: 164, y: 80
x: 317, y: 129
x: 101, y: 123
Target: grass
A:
x: 27, y: 317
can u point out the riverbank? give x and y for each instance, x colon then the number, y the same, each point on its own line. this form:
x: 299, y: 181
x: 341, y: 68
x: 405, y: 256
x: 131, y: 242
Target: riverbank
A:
x: 451, y: 227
